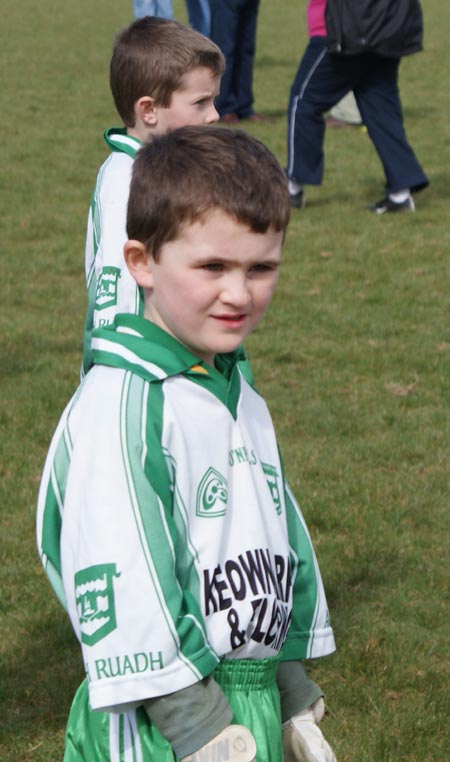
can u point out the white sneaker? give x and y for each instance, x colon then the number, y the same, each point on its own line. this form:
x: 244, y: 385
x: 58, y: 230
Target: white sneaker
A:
x: 388, y: 204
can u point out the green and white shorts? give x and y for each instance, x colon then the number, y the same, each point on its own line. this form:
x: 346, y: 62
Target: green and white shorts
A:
x: 249, y: 685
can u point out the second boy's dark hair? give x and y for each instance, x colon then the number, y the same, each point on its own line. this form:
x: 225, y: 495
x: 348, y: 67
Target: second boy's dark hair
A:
x: 150, y: 58
x: 185, y: 174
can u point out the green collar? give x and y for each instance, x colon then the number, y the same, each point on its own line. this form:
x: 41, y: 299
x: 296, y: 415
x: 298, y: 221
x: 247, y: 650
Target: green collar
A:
x: 118, y: 140
x: 138, y: 345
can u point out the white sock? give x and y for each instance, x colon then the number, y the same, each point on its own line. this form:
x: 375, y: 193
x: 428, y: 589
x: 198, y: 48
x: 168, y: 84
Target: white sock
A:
x: 399, y: 196
x: 294, y: 187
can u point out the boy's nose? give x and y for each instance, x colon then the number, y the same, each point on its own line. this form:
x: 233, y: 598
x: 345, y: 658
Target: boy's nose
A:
x: 212, y: 115
x: 235, y: 292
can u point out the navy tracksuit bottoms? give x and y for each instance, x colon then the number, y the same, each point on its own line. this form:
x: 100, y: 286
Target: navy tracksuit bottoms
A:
x: 322, y: 79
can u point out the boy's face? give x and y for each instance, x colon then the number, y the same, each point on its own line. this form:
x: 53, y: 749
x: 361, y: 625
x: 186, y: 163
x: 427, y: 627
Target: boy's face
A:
x: 212, y: 285
x: 192, y: 103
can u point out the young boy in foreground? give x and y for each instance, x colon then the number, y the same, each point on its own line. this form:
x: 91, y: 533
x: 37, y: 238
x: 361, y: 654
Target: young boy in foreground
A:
x: 162, y: 75
x: 165, y: 524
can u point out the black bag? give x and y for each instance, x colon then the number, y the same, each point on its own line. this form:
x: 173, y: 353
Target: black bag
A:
x: 391, y: 28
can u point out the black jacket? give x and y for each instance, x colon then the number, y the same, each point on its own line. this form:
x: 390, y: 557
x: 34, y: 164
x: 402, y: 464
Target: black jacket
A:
x: 391, y: 28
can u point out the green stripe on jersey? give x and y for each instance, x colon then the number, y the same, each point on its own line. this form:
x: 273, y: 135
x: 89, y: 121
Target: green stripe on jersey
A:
x: 53, y: 505
x: 154, y: 521
x: 186, y: 568
x: 96, y: 209
x: 304, y: 580
x: 89, y: 324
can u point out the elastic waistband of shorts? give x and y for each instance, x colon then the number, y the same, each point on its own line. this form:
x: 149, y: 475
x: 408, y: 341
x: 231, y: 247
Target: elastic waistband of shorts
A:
x: 251, y: 674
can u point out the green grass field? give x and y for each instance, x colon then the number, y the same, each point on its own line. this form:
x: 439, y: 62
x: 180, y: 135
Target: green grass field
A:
x: 353, y: 358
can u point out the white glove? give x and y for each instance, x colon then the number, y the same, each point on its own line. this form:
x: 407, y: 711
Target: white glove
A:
x: 234, y: 744
x: 303, y: 740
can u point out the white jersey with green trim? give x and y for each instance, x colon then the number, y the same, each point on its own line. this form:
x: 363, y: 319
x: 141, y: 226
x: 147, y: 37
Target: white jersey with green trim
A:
x: 165, y: 525
x: 111, y: 289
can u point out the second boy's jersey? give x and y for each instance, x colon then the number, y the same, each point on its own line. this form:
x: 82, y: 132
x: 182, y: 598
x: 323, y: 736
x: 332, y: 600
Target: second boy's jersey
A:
x: 165, y: 525
x: 111, y: 289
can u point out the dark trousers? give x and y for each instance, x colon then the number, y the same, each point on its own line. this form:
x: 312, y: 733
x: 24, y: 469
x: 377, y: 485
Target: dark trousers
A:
x: 233, y: 29
x: 199, y: 14
x: 321, y: 81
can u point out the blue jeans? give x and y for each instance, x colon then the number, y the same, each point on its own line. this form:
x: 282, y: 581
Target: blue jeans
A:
x: 233, y: 29
x: 161, y: 8
x: 199, y: 14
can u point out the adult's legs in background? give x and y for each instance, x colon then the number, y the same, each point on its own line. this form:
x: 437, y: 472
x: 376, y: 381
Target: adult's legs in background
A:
x: 320, y: 82
x: 161, y: 8
x: 233, y: 29
x: 199, y: 13
x: 245, y: 57
x: 378, y: 99
x: 224, y: 27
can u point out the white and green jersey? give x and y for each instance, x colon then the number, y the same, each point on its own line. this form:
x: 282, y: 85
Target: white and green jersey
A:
x: 165, y: 525
x: 111, y: 289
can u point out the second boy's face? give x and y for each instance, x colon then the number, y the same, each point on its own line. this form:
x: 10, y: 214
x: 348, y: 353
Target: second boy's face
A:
x: 212, y: 285
x: 192, y: 103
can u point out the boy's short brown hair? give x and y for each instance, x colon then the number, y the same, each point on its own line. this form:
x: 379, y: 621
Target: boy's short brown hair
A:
x: 185, y: 174
x: 150, y: 58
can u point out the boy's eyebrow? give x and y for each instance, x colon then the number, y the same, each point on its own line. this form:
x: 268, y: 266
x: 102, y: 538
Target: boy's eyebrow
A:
x: 205, y: 93
x: 207, y: 90
x: 260, y: 259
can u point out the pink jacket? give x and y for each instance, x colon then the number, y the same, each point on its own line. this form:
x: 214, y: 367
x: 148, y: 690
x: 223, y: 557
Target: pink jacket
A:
x: 315, y: 18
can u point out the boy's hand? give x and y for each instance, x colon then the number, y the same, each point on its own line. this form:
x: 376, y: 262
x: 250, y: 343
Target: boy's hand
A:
x: 234, y: 744
x: 303, y: 740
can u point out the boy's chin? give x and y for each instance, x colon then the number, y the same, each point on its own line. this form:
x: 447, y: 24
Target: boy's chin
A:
x: 221, y: 349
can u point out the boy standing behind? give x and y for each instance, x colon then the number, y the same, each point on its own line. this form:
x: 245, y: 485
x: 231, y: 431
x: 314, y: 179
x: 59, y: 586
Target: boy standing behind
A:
x: 163, y: 75
x: 164, y: 521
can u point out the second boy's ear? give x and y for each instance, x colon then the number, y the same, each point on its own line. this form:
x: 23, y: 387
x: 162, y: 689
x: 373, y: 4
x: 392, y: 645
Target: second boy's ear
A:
x: 139, y: 263
x: 145, y: 110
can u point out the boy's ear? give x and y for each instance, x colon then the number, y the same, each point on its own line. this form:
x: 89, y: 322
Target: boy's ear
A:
x: 139, y: 263
x: 146, y: 111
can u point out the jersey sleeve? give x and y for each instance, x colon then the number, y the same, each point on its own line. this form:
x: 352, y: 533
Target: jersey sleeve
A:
x: 50, y: 503
x: 310, y: 634
x: 110, y: 287
x: 142, y: 634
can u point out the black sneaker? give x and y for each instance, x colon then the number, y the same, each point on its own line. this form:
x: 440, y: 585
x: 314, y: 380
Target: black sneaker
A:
x: 297, y: 199
x: 388, y: 205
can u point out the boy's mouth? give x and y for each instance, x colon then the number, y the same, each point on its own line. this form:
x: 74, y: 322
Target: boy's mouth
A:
x: 231, y: 320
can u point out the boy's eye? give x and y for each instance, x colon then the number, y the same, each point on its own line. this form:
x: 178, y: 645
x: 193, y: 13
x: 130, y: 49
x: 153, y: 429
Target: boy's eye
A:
x: 262, y: 268
x: 213, y: 266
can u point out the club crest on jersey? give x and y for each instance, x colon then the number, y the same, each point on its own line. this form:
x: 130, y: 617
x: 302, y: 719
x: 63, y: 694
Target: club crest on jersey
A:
x: 94, y: 593
x: 106, y: 295
x: 272, y: 478
x: 212, y: 494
